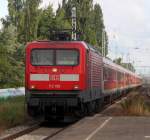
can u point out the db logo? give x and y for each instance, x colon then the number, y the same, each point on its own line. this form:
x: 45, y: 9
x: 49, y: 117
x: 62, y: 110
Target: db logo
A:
x: 54, y: 78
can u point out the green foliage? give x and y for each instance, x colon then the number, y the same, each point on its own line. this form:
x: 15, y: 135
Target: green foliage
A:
x: 60, y: 21
x: 15, y: 9
x: 45, y: 22
x: 11, y: 64
x: 31, y: 13
x: 12, y: 112
x: 128, y: 66
x: 16, y: 16
x: 118, y: 61
x: 135, y: 106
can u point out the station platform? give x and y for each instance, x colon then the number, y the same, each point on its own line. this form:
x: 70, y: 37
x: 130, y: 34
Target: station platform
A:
x: 108, y: 128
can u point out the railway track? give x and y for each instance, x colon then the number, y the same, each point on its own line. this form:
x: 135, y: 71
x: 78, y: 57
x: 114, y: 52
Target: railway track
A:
x: 42, y: 133
x: 39, y: 131
x: 19, y: 131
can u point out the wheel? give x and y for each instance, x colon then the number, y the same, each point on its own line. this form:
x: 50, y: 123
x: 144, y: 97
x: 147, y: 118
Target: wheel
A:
x: 90, y: 108
x: 81, y: 111
x: 98, y: 106
x: 32, y: 111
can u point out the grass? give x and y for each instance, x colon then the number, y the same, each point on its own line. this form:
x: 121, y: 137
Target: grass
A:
x: 12, y: 112
x: 135, y: 105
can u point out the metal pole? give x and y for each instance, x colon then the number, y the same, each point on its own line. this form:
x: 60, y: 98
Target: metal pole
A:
x: 74, y: 23
x: 103, y: 43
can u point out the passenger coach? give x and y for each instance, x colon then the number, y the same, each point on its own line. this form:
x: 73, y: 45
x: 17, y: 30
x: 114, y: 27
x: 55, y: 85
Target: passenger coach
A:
x: 72, y: 77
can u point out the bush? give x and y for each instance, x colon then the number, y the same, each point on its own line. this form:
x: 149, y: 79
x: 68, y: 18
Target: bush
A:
x: 12, y: 111
x: 136, y: 106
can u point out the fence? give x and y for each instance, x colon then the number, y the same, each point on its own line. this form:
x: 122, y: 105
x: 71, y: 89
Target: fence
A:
x: 11, y: 92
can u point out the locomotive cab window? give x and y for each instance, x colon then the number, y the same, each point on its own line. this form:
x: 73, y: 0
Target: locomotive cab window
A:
x: 67, y: 57
x: 42, y: 57
x: 51, y: 57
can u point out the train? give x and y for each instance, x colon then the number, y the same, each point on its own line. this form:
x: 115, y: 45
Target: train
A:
x: 72, y: 77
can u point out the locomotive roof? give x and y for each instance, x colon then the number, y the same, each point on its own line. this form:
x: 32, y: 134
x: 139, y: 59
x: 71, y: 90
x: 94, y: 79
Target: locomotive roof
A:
x: 84, y: 44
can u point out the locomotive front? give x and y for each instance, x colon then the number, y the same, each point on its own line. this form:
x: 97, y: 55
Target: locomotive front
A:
x: 55, y: 77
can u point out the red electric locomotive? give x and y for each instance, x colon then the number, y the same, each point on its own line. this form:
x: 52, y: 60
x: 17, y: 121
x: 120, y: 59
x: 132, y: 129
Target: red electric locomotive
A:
x: 71, y: 76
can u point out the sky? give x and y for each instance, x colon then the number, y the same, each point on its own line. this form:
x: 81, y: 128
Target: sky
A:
x: 127, y: 25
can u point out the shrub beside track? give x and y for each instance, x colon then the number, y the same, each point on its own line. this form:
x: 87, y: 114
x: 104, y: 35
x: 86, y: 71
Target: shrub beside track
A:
x: 12, y: 112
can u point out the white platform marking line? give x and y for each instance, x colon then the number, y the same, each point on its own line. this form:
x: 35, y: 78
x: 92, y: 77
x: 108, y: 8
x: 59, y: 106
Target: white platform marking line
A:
x: 147, y: 137
x: 98, y: 129
x: 95, y: 116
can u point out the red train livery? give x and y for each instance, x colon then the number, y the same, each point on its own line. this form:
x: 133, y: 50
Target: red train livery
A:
x: 71, y: 76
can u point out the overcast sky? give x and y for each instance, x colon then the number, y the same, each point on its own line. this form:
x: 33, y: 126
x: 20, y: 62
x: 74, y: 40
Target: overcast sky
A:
x: 127, y: 24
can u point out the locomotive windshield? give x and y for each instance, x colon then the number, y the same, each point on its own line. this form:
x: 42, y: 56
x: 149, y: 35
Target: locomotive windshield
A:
x: 42, y: 57
x: 51, y: 57
x: 66, y: 57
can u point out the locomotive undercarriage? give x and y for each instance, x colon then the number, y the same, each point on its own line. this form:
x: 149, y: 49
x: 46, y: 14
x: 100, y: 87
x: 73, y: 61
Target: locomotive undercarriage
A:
x: 59, y: 106
x: 59, y: 111
x: 50, y: 105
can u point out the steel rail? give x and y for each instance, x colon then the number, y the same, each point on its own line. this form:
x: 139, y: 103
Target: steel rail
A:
x: 21, y: 132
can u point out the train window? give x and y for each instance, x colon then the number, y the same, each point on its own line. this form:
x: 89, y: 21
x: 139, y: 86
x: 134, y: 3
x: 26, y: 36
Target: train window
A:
x: 105, y: 73
x: 109, y: 74
x: 51, y: 57
x: 67, y: 57
x: 120, y: 76
x: 42, y: 57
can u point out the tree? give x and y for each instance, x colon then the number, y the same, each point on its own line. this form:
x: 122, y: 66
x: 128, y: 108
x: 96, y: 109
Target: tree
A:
x: 118, y: 61
x: 99, y: 28
x: 15, y: 8
x: 31, y: 21
x: 61, y: 21
x: 128, y: 66
x: 64, y: 4
x: 84, y: 9
x: 11, y: 66
x: 46, y: 22
x: 16, y: 16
